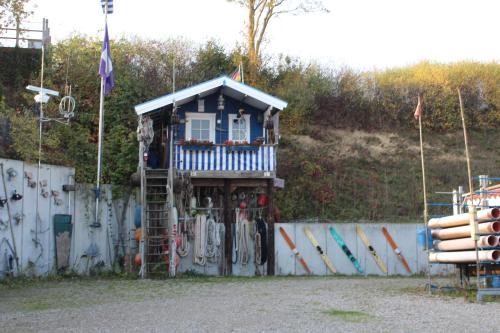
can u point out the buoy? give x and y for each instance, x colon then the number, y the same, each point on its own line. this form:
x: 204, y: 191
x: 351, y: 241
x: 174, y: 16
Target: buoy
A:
x: 137, y: 216
x: 138, y: 234
x: 137, y: 259
x: 243, y: 205
x: 262, y: 200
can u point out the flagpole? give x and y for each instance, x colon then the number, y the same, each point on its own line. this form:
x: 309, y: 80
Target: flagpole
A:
x: 97, y: 224
x: 242, y: 72
x: 172, y: 231
x: 426, y: 213
x: 472, y: 209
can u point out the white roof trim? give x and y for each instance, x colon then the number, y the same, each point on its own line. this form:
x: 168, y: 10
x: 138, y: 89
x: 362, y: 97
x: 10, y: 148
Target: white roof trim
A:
x: 206, y: 86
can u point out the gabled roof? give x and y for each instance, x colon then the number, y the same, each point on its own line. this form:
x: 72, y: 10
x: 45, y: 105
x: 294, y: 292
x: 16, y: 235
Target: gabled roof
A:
x: 231, y: 88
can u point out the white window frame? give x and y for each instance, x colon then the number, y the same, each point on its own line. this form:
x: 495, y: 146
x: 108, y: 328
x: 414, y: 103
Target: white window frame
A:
x: 200, y: 116
x: 232, y: 117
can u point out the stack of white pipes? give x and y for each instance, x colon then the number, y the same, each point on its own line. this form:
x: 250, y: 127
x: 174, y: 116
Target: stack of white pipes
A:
x: 452, y: 233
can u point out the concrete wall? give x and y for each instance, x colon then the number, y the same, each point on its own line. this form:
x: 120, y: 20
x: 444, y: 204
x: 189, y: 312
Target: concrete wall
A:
x: 95, y: 248
x: 404, y: 235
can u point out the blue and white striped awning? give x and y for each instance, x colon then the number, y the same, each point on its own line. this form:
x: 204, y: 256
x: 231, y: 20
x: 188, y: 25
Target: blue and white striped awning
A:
x: 110, y: 6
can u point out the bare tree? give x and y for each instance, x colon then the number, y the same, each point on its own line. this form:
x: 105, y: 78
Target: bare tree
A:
x: 260, y: 13
x: 13, y: 12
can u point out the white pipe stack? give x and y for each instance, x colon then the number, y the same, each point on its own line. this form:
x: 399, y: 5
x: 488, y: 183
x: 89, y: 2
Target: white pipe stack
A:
x: 465, y: 243
x: 463, y: 219
x: 463, y: 256
x: 452, y: 235
x: 464, y: 231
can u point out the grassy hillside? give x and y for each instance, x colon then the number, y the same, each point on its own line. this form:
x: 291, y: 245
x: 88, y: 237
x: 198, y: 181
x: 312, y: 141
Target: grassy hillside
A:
x: 351, y: 174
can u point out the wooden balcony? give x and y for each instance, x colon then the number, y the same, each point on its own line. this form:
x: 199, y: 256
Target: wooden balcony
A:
x: 221, y: 161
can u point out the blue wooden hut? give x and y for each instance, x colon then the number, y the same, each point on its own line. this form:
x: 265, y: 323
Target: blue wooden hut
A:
x: 220, y: 137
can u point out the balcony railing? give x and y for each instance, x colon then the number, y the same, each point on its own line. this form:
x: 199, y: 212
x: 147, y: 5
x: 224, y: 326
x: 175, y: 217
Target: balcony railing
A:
x: 225, y: 158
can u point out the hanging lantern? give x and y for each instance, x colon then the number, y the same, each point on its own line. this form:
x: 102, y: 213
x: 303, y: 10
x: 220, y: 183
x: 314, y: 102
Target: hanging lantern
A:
x: 220, y: 103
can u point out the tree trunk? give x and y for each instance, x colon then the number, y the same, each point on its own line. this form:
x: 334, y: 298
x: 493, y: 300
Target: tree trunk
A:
x: 252, y: 52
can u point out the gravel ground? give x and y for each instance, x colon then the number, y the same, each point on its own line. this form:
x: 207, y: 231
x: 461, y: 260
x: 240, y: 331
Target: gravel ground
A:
x: 239, y: 305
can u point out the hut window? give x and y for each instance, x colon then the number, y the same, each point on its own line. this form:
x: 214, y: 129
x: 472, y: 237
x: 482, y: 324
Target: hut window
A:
x: 200, y: 126
x: 239, y: 128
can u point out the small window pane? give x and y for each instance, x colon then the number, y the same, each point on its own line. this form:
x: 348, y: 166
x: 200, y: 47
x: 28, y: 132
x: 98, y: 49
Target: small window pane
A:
x: 195, y: 124
x: 239, y: 130
x: 242, y: 124
x: 205, y: 135
x: 196, y: 134
x: 200, y: 129
x: 205, y: 124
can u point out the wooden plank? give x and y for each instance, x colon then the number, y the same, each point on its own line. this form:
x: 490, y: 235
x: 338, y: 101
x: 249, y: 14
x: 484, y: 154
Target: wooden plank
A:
x: 233, y: 174
x: 228, y: 246
x: 270, y: 222
x: 219, y: 182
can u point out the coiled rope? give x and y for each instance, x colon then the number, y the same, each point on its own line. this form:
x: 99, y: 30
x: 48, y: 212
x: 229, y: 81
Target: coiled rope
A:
x: 244, y: 227
x: 211, y: 238
x: 183, y: 249
x: 200, y: 240
x: 258, y: 253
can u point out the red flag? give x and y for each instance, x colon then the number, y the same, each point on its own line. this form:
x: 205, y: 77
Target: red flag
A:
x: 420, y: 107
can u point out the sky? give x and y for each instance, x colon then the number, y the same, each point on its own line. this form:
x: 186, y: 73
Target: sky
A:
x: 362, y: 34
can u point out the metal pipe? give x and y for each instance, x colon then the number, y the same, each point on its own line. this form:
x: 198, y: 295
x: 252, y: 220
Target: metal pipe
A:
x: 464, y: 256
x: 464, y: 231
x: 465, y: 243
x: 463, y: 219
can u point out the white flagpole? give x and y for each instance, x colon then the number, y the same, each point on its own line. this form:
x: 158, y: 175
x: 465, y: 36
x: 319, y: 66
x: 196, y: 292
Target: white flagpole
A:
x: 426, y: 212
x: 97, y: 224
x: 472, y: 208
x: 172, y: 225
x: 242, y: 73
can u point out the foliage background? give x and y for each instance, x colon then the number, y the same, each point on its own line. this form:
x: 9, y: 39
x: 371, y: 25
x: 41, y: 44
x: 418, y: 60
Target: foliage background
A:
x: 349, y: 145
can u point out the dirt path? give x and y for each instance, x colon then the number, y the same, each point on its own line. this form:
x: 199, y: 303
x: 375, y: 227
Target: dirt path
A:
x: 239, y: 305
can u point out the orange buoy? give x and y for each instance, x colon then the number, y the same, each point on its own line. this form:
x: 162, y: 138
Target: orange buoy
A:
x: 137, y: 259
x: 138, y: 234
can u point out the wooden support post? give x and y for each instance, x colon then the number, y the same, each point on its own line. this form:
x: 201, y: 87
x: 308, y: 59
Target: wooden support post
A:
x: 228, y: 239
x: 270, y: 222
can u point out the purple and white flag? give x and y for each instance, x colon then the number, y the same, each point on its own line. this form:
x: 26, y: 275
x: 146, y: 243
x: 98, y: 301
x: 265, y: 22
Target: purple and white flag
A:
x: 106, y: 67
x: 110, y: 6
